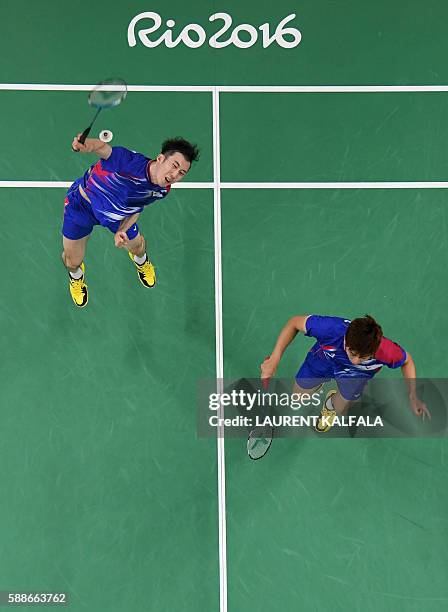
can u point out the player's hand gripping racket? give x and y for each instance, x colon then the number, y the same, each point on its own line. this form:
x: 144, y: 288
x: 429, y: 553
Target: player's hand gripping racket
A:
x: 106, y: 94
x: 265, y: 380
x: 260, y: 437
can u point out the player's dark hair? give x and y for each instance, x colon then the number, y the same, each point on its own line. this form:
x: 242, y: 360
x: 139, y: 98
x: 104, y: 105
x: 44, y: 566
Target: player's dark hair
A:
x: 363, y: 336
x: 180, y: 145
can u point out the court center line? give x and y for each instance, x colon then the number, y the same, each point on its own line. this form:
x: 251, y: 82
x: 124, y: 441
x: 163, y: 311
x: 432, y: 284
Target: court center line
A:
x: 222, y: 530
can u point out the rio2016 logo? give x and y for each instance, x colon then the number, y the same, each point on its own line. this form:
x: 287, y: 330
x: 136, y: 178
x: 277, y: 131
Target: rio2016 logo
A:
x: 193, y: 35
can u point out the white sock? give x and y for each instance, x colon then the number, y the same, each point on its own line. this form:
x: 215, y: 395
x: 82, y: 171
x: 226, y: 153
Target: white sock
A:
x: 140, y: 260
x: 77, y: 274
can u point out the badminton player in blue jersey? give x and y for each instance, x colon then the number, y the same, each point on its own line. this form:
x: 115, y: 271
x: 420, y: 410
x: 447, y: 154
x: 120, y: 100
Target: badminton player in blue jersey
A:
x: 349, y: 352
x: 113, y: 193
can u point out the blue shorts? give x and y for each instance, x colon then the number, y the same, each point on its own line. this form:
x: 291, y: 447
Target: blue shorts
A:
x: 79, y: 219
x: 317, y: 370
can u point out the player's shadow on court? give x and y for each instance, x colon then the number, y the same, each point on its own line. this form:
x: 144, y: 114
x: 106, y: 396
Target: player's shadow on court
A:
x: 388, y: 399
x: 383, y: 412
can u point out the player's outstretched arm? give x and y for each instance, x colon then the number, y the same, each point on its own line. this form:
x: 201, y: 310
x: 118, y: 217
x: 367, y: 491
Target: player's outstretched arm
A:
x: 92, y: 145
x: 287, y: 335
x: 410, y: 374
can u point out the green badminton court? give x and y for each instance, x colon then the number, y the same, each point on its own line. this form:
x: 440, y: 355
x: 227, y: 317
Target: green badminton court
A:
x: 321, y: 188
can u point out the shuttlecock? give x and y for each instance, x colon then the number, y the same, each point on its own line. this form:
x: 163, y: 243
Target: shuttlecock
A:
x: 106, y: 135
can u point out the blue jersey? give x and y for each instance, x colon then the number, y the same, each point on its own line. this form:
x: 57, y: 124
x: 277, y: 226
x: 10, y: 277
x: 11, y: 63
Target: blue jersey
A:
x: 120, y: 186
x: 330, y: 333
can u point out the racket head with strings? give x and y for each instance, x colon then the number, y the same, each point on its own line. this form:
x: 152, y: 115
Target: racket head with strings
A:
x: 107, y: 94
x: 259, y: 441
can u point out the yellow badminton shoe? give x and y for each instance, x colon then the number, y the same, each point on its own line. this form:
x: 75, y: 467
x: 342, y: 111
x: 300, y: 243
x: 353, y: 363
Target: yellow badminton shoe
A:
x: 327, y: 415
x: 78, y: 290
x: 146, y: 272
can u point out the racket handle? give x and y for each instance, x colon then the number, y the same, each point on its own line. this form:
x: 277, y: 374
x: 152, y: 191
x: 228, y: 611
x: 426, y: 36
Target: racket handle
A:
x: 84, y: 135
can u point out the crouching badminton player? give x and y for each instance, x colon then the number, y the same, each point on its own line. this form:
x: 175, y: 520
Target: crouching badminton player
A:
x: 349, y: 352
x: 112, y: 193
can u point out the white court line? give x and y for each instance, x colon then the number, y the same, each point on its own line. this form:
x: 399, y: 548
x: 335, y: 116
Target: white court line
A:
x: 329, y: 88
x: 219, y: 357
x: 68, y: 183
x: 340, y: 185
x: 68, y: 87
x: 205, y: 185
x: 234, y: 88
x: 56, y: 184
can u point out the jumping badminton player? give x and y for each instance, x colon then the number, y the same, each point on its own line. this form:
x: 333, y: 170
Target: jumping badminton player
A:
x: 351, y: 353
x: 112, y: 193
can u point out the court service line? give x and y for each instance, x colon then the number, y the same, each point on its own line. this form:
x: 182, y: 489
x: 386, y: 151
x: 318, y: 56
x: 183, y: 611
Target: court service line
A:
x: 233, y: 88
x: 280, y: 185
x: 65, y: 184
x: 222, y: 530
x: 71, y: 87
x: 329, y: 88
x: 341, y: 185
